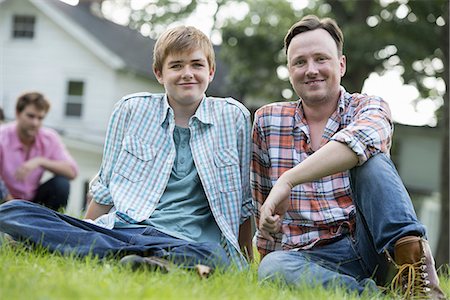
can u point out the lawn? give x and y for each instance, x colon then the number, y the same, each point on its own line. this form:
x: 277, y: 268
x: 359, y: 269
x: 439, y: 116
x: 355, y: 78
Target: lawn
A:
x: 39, y: 275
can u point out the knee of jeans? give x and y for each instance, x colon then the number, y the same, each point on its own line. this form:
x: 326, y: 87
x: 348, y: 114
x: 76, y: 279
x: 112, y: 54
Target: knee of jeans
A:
x: 7, y: 208
x: 218, y: 256
x: 61, y: 183
x: 371, y: 167
x: 273, y: 265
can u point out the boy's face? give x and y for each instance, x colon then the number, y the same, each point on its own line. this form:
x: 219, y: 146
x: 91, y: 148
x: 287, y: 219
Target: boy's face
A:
x: 185, y: 77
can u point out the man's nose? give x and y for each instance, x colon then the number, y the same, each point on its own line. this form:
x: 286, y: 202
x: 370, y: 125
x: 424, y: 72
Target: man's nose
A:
x: 311, y: 68
x: 36, y: 121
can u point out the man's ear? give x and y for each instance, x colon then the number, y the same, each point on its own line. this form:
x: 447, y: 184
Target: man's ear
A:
x: 159, y: 76
x: 343, y: 65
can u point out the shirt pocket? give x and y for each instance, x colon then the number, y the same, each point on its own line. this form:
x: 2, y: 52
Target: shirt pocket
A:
x: 135, y: 159
x: 228, y: 170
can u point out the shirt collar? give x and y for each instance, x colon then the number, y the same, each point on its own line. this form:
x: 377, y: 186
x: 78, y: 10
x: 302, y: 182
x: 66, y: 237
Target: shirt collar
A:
x: 343, y: 98
x: 166, y: 110
x: 14, y: 137
x: 203, y: 112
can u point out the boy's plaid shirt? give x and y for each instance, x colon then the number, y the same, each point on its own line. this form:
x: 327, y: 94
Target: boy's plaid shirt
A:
x: 322, y: 209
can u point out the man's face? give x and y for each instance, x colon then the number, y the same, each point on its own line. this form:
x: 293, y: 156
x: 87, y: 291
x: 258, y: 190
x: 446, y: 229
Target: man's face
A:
x: 185, y: 77
x: 29, y: 121
x: 315, y: 68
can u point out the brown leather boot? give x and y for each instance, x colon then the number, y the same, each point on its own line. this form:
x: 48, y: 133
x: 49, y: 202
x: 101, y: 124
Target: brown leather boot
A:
x: 416, y: 276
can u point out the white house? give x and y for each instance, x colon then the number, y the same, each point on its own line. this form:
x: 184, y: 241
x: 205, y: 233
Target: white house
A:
x: 83, y: 63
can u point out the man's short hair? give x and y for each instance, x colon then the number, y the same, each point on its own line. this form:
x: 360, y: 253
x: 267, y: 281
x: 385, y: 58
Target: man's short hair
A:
x: 32, y: 98
x: 182, y: 39
x: 311, y: 22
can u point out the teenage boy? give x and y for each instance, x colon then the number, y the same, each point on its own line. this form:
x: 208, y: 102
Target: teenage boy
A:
x: 174, y: 181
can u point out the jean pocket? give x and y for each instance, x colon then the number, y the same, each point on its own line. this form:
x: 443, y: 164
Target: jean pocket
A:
x: 135, y: 159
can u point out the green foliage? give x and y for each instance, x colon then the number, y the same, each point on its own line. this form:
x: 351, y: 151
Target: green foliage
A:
x: 406, y: 35
x: 40, y: 275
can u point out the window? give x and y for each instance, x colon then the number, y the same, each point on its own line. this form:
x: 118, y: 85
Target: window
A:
x: 23, y: 26
x: 74, y: 98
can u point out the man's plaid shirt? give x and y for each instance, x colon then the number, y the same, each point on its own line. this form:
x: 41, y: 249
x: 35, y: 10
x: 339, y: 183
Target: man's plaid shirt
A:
x: 322, y: 209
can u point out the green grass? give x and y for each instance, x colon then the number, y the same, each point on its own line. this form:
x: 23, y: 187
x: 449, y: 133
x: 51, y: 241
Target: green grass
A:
x: 41, y: 275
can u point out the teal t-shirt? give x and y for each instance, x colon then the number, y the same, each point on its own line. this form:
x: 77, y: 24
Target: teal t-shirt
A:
x: 183, y: 210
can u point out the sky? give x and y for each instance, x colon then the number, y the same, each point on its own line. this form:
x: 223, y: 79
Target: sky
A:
x: 390, y: 87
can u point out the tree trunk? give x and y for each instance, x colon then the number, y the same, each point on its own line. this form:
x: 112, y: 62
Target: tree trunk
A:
x: 442, y: 253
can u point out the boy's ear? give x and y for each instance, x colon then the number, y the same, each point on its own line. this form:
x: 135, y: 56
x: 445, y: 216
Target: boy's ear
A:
x: 159, y: 76
x: 211, y: 74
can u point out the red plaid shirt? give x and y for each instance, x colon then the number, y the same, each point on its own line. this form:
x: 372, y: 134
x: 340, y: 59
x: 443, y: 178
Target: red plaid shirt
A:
x: 322, y: 209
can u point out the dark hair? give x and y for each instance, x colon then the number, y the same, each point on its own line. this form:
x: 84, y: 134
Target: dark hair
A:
x: 2, y: 115
x: 32, y: 98
x: 311, y: 22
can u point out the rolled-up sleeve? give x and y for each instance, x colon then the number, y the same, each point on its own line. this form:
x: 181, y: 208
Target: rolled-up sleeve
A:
x: 370, y: 130
x: 113, y: 144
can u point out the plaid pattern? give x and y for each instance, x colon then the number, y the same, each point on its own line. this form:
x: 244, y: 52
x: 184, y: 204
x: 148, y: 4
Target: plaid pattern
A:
x: 139, y: 154
x: 322, y: 209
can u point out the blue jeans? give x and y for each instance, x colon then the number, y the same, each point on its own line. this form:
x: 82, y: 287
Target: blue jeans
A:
x: 37, y: 225
x: 53, y: 193
x: 384, y: 213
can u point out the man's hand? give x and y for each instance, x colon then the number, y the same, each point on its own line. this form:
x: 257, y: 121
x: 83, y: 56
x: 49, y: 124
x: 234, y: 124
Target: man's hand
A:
x: 274, y: 208
x: 24, y: 170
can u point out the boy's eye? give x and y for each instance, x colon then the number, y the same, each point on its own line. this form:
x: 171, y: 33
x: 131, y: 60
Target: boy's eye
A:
x: 175, y: 66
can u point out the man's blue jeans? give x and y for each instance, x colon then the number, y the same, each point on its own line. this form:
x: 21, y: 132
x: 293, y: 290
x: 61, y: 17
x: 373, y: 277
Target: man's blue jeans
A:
x: 53, y: 193
x: 38, y: 225
x: 384, y: 213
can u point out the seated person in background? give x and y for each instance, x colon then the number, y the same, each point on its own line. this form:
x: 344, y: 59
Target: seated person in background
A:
x: 174, y: 181
x: 27, y: 150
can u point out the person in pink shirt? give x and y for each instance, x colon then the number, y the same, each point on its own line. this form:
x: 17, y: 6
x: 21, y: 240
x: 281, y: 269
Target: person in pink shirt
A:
x: 27, y: 150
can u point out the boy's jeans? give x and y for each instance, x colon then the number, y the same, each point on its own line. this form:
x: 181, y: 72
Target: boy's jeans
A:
x: 26, y: 221
x: 384, y: 213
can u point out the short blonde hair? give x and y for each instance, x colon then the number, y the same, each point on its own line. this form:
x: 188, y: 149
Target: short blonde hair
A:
x: 182, y: 39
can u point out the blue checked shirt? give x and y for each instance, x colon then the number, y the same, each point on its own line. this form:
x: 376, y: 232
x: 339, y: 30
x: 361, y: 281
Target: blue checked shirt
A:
x: 139, y: 154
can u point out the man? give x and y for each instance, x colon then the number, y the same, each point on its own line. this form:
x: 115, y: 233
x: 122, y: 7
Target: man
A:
x: 331, y: 203
x: 27, y: 150
x: 174, y: 181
